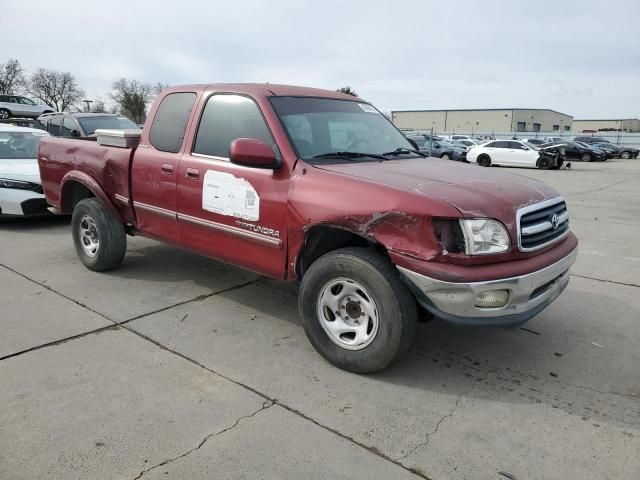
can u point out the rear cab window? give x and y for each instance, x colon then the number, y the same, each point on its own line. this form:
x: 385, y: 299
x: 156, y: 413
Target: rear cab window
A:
x: 170, y: 122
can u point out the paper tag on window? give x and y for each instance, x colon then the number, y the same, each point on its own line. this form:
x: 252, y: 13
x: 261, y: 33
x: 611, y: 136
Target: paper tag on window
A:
x: 367, y: 108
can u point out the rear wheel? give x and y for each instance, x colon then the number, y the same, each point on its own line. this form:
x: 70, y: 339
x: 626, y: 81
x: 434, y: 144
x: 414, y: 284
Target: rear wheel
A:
x: 585, y: 157
x: 99, y: 237
x: 4, y: 113
x: 484, y: 160
x: 355, y: 310
x: 625, y: 155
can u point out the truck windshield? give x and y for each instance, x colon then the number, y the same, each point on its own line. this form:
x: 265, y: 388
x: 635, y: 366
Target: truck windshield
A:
x: 19, y: 145
x: 91, y: 124
x: 321, y: 127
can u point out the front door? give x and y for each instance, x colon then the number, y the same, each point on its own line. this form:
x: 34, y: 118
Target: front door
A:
x: 227, y: 211
x: 154, y: 171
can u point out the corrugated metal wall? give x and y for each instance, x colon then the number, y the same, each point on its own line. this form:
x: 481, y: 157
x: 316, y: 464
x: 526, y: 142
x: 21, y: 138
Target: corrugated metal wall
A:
x: 503, y: 120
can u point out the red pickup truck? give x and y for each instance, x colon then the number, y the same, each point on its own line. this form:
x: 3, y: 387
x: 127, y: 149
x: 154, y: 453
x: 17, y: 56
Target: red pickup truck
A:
x: 318, y: 187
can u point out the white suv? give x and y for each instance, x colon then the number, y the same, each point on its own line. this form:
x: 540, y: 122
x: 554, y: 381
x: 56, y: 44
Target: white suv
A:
x: 17, y: 106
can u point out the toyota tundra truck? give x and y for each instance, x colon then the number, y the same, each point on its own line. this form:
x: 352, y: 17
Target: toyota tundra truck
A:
x: 317, y: 187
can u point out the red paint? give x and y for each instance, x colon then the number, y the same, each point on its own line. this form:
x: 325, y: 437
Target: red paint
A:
x: 390, y: 203
x: 252, y: 152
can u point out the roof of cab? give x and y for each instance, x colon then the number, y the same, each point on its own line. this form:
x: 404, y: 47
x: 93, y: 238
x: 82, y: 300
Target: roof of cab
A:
x: 267, y: 90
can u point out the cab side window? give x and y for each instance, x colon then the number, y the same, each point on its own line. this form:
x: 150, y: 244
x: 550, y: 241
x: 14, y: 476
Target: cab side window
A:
x: 501, y: 145
x: 225, y: 118
x: 170, y: 121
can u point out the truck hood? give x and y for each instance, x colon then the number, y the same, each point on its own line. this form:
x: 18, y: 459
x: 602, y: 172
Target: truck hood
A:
x: 25, y: 169
x: 475, y: 191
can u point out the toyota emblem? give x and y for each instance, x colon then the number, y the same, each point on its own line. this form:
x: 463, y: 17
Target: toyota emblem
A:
x: 555, y: 221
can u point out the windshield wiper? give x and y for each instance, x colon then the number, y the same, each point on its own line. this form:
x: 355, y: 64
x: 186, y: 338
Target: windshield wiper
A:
x: 349, y: 155
x: 401, y: 150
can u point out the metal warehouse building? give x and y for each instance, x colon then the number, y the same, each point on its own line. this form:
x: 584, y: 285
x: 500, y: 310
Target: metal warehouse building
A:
x: 631, y: 125
x: 484, y: 120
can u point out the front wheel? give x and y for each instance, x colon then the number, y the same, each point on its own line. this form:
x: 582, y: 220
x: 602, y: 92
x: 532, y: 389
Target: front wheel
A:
x: 484, y: 161
x: 625, y: 155
x: 445, y: 157
x: 100, y: 238
x: 355, y: 310
x: 586, y: 157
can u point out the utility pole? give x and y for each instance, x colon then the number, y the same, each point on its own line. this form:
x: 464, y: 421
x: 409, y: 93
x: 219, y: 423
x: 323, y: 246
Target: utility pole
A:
x: 88, y: 105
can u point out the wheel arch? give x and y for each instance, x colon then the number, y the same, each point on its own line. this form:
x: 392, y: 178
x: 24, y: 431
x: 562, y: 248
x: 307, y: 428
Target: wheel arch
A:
x: 326, y: 237
x: 76, y: 186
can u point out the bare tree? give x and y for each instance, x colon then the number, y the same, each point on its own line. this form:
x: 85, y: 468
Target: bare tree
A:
x: 348, y: 90
x: 133, y: 97
x: 11, y: 77
x: 98, y: 105
x: 59, y: 90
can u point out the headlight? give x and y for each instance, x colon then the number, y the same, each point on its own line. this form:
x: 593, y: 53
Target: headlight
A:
x: 6, y: 183
x: 484, y: 235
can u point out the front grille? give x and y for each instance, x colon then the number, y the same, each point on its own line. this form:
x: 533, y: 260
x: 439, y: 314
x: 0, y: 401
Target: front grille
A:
x: 542, y: 224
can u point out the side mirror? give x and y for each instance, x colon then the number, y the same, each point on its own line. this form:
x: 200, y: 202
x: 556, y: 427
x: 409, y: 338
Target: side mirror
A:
x: 253, y: 152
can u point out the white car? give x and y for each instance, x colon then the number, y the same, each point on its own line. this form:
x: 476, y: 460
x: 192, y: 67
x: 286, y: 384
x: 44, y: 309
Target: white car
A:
x: 512, y: 153
x: 20, y: 187
x: 18, y: 106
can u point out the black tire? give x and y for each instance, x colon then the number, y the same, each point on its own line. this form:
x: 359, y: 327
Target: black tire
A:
x: 110, y: 233
x: 396, y: 308
x: 558, y: 165
x: 484, y: 160
x: 445, y: 156
x: 4, y: 113
x: 543, y: 163
x: 585, y: 157
x: 625, y: 155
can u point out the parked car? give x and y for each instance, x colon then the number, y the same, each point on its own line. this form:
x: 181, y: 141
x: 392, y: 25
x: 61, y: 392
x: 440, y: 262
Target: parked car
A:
x: 552, y: 139
x: 606, y: 153
x: 20, y: 187
x: 512, y: 153
x: 466, y: 143
x: 620, y: 151
x: 533, y: 141
x: 439, y: 147
x: 82, y: 124
x: 591, y: 139
x: 318, y: 187
x: 17, y: 106
x: 573, y: 151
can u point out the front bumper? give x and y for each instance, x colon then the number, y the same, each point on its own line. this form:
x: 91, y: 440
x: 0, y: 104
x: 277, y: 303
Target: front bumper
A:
x: 15, y: 202
x: 528, y: 295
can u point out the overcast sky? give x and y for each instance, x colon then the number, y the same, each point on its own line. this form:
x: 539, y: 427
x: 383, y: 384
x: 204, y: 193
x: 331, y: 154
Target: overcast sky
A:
x: 581, y: 58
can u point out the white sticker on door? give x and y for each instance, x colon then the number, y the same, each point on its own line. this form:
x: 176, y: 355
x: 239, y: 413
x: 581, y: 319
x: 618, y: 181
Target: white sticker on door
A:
x: 225, y: 194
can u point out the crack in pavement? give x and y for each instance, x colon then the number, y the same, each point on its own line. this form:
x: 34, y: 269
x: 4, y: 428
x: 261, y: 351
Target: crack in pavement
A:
x: 438, y: 423
x: 265, y: 405
x: 199, y: 298
x: 124, y: 325
x: 606, y: 281
x: 47, y: 287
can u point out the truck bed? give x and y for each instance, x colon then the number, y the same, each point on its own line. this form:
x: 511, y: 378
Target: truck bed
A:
x: 73, y: 163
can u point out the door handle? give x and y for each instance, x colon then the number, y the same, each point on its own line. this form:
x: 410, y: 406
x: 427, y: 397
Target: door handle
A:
x: 167, y: 169
x: 192, y: 173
